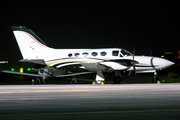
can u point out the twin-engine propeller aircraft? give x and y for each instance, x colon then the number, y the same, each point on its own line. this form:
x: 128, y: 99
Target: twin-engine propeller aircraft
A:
x: 82, y: 61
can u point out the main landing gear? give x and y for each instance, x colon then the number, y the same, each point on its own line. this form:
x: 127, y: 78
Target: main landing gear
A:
x: 74, y: 81
x: 40, y: 81
x: 100, y: 77
x: 117, y: 78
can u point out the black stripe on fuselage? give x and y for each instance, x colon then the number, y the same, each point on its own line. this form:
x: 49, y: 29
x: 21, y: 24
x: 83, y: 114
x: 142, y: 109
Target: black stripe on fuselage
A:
x: 125, y: 62
x: 145, y: 65
x: 76, y: 58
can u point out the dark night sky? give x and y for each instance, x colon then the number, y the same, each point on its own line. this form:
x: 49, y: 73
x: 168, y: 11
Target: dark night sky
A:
x: 147, y: 24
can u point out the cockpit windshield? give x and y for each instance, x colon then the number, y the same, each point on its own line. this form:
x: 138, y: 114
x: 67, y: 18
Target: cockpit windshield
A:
x: 125, y: 52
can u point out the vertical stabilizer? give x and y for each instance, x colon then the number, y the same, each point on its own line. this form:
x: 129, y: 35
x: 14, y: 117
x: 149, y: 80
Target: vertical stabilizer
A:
x: 30, y: 45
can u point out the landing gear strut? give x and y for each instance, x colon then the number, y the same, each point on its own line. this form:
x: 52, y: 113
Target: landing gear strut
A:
x: 155, y: 79
x: 73, y: 80
x: 43, y: 81
x: 38, y: 81
x: 99, y: 76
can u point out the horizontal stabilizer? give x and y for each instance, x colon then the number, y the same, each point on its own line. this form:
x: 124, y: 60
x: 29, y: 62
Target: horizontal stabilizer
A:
x: 3, y: 61
x: 37, y: 61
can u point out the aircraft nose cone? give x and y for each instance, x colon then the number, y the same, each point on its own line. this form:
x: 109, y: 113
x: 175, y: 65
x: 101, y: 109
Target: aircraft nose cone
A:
x: 161, y: 63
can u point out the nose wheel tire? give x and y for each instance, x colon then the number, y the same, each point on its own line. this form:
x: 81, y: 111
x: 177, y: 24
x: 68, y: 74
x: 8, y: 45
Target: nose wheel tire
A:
x: 154, y: 80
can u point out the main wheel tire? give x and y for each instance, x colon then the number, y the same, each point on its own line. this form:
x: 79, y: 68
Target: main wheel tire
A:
x: 117, y: 80
x: 38, y: 81
x: 73, y: 82
x: 43, y: 82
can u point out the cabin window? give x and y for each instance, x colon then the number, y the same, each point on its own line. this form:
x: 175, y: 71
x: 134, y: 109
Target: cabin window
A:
x: 85, y: 54
x: 70, y: 55
x: 94, y: 53
x: 115, y: 53
x: 103, y: 53
x: 76, y: 54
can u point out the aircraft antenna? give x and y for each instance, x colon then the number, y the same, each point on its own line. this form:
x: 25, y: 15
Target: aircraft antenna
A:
x: 150, y: 52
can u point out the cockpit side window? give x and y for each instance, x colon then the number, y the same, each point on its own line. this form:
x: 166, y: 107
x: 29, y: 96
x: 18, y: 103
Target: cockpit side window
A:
x: 125, y: 52
x: 115, y: 53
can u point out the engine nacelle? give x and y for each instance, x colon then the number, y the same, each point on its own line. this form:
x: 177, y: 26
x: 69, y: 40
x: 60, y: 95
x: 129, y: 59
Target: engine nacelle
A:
x: 50, y: 72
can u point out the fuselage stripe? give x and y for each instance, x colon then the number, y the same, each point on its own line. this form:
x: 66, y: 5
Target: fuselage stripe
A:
x: 71, y: 60
x: 35, y: 39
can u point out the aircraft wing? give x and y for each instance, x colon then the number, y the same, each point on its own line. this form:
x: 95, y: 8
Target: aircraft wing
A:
x: 74, y: 74
x: 18, y: 73
x: 37, y: 75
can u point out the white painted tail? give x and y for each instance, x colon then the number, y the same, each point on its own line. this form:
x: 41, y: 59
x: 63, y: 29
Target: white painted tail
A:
x: 30, y: 45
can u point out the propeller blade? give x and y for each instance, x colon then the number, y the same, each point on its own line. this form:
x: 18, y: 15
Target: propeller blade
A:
x: 133, y: 52
x: 133, y: 60
x: 134, y: 69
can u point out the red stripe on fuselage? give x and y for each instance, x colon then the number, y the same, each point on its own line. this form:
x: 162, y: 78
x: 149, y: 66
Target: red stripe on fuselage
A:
x: 35, y: 39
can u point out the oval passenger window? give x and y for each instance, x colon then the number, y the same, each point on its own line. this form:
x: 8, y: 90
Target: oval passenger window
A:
x: 85, y: 54
x: 76, y: 54
x: 103, y: 53
x: 70, y: 55
x: 94, y: 54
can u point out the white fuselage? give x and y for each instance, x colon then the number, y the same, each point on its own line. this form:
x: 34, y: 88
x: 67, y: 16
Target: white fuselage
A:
x: 110, y: 58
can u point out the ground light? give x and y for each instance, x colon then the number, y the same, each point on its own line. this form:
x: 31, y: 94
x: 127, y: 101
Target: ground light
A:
x: 29, y: 69
x: 21, y: 70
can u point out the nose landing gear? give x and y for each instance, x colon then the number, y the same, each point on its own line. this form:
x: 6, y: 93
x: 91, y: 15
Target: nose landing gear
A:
x: 155, y: 78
